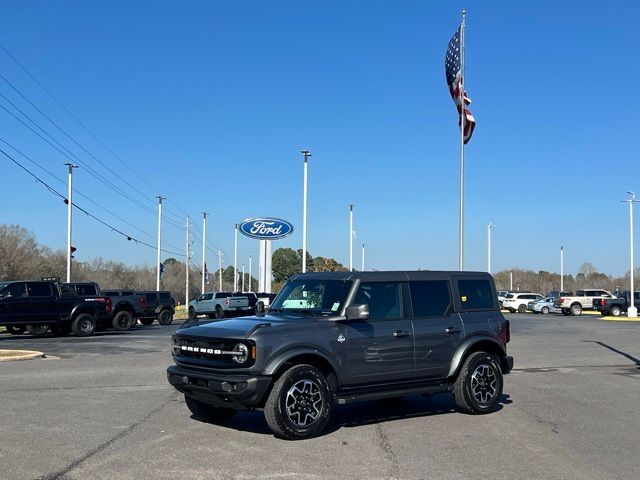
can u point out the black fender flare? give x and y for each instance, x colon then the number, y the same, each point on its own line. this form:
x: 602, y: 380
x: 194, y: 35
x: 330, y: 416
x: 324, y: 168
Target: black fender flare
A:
x: 467, y: 345
x: 285, y: 355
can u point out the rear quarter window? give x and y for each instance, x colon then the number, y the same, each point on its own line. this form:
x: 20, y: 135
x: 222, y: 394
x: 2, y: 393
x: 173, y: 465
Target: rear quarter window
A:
x: 476, y: 294
x: 39, y: 289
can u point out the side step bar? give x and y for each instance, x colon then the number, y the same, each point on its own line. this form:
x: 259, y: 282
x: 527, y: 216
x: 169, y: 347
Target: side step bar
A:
x: 348, y: 397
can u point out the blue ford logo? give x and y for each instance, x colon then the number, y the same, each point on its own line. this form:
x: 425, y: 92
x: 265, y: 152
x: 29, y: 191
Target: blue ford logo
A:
x: 266, y: 228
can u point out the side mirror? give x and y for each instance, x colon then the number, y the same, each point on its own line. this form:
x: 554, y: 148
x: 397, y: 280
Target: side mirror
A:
x: 260, y: 307
x: 357, y: 312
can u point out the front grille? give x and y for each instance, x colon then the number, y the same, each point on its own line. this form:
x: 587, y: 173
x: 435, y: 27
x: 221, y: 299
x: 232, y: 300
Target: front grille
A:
x: 208, y: 352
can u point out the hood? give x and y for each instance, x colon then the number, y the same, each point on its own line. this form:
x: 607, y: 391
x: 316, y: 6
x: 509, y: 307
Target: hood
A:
x: 231, y: 328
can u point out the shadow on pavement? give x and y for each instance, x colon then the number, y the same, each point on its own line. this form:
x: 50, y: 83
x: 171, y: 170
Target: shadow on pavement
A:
x: 619, y: 352
x: 362, y: 413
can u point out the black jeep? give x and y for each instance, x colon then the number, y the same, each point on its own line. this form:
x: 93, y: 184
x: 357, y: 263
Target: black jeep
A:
x: 347, y: 336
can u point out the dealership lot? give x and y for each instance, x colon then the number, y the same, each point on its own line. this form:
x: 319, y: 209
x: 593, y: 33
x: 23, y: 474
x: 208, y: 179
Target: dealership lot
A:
x: 100, y: 407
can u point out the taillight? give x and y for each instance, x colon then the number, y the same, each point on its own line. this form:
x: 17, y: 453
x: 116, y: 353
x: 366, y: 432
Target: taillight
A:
x: 505, y: 334
x: 227, y: 302
x: 107, y: 302
x: 142, y: 302
x: 561, y: 300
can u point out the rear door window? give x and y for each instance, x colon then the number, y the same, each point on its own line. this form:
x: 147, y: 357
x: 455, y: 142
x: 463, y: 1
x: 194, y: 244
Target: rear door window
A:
x: 39, y: 289
x: 14, y: 290
x: 476, y: 294
x: 430, y: 298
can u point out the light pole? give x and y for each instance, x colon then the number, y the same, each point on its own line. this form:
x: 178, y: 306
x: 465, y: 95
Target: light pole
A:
x: 632, y: 311
x: 250, y: 274
x: 489, y: 228
x: 235, y: 258
x: 160, y: 198
x: 306, y: 155
x: 561, y: 269
x: 186, y: 295
x: 351, y: 237
x: 69, y: 217
x: 362, y: 269
x: 242, y: 278
x: 511, y: 280
x: 204, y: 248
x: 220, y: 268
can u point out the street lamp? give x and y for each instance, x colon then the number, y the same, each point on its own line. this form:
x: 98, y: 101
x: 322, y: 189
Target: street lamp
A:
x: 306, y: 155
x: 632, y: 311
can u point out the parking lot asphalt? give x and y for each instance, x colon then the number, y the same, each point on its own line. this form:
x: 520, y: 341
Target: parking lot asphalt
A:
x: 101, y: 408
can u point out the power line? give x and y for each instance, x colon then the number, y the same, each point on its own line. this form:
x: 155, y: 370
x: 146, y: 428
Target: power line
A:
x: 86, y: 212
x: 77, y: 120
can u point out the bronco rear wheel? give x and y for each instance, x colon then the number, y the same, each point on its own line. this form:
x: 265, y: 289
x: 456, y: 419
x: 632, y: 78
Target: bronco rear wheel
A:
x: 300, y: 403
x: 122, y: 321
x: 478, y: 388
x: 84, y: 325
x: 208, y: 413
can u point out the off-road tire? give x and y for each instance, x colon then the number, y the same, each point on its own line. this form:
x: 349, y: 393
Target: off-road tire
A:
x: 616, y: 311
x: 146, y: 321
x: 165, y: 317
x: 544, y: 310
x: 122, y: 321
x: 275, y: 409
x: 576, y: 309
x: 208, y: 413
x: 219, y: 312
x: 38, y: 330
x: 462, y: 387
x: 84, y: 325
x: 16, y: 329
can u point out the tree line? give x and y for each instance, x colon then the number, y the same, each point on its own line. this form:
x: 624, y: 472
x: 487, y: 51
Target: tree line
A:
x: 23, y: 258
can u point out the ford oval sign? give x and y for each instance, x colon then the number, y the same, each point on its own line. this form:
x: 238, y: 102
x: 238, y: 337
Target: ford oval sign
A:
x: 266, y: 228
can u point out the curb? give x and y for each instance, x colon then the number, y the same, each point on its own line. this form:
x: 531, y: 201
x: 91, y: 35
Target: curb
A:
x: 20, y: 355
x: 620, y: 319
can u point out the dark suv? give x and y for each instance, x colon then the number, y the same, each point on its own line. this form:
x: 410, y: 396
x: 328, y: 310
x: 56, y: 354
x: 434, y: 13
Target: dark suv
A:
x: 341, y: 337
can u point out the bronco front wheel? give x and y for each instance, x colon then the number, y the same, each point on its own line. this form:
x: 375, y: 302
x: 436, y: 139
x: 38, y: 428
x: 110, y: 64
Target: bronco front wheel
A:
x: 300, y: 403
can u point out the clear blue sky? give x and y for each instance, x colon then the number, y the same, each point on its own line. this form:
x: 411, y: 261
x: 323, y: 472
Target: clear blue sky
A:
x: 211, y: 102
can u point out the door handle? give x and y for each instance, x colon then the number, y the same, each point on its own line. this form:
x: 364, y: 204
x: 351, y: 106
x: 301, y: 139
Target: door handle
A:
x: 452, y: 330
x: 401, y: 333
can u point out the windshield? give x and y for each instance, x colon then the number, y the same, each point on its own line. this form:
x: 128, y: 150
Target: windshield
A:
x: 316, y: 297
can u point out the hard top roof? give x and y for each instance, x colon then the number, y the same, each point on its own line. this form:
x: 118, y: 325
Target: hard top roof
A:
x: 382, y: 276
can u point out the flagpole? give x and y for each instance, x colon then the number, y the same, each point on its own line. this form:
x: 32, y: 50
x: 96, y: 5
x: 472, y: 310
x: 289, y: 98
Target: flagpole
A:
x: 462, y: 106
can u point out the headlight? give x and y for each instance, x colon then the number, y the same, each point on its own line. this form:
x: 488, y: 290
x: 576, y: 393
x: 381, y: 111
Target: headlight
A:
x: 243, y: 353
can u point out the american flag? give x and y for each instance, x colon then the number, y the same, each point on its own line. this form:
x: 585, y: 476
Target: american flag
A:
x: 453, y: 71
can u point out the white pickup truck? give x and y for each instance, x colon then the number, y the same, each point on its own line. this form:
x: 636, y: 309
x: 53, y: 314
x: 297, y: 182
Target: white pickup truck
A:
x: 583, y: 300
x: 218, y: 305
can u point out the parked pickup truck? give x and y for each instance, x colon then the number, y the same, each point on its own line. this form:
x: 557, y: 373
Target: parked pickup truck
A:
x: 616, y: 306
x: 218, y: 305
x: 583, y: 300
x: 159, y: 306
x: 48, y: 305
x: 127, y: 307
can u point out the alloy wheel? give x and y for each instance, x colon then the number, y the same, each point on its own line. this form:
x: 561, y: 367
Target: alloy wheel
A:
x: 484, y: 383
x: 304, y: 403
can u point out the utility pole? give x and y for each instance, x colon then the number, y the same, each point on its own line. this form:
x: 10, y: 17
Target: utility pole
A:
x: 561, y: 269
x: 351, y: 237
x: 220, y: 268
x: 489, y: 227
x: 362, y: 269
x: 69, y: 217
x: 204, y: 248
x: 632, y: 311
x: 306, y: 155
x: 235, y: 258
x: 160, y: 198
x: 186, y: 295
x: 250, y: 275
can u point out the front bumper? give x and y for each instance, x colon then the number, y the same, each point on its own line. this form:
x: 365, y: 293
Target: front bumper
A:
x: 240, y: 392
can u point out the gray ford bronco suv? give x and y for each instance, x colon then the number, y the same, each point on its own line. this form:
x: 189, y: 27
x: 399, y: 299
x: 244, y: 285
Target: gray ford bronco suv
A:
x: 339, y: 337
